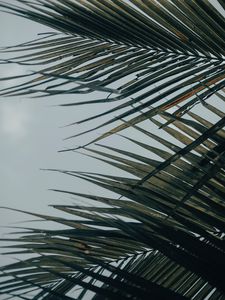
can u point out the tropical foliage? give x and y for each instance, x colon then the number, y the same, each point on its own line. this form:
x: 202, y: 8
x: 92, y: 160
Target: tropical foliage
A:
x: 162, y: 236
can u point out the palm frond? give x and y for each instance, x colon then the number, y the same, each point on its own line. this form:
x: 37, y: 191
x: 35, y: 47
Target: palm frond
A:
x: 161, y: 234
x: 170, y: 221
x: 159, y: 52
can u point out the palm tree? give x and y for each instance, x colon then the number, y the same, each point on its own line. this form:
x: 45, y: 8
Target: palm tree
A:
x: 162, y: 236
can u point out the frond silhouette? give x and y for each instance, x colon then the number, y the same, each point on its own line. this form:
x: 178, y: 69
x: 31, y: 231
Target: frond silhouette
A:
x: 162, y: 236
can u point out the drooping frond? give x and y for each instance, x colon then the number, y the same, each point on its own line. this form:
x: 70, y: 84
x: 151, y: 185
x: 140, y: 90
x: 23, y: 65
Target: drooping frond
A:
x: 162, y: 235
x: 146, y: 55
x: 165, y: 236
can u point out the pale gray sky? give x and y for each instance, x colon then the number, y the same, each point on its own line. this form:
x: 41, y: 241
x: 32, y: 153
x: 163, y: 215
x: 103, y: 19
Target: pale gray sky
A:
x: 30, y: 137
x: 31, y: 133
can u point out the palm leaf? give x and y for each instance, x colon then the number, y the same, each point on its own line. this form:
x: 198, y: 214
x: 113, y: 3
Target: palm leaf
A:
x: 163, y: 231
x: 156, y: 239
x: 159, y: 52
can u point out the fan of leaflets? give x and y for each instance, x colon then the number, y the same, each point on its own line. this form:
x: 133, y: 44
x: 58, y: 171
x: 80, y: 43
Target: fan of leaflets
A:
x: 139, y: 55
x: 163, y: 238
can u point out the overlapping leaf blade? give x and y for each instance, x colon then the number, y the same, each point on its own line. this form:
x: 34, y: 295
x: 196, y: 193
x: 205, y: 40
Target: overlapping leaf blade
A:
x: 157, y: 238
x: 164, y: 230
x: 133, y: 50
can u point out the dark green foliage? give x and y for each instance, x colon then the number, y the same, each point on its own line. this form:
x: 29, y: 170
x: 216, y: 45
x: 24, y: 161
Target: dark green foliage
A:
x: 163, y: 238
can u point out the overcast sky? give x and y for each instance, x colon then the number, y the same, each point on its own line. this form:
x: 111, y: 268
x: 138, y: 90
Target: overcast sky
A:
x: 31, y: 133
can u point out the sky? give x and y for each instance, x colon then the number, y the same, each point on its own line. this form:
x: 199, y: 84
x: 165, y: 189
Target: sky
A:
x: 31, y: 133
